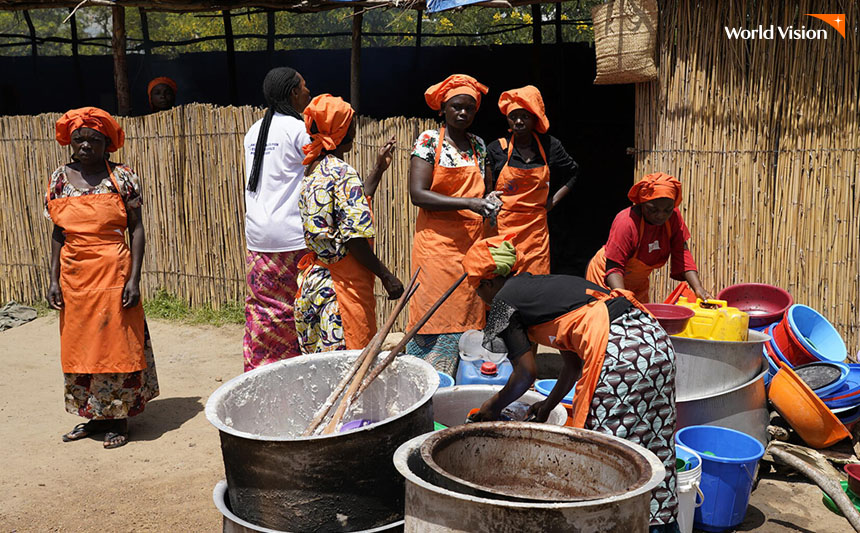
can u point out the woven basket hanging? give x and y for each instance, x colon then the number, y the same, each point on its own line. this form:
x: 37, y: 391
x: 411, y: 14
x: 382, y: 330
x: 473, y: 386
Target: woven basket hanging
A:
x: 625, y: 36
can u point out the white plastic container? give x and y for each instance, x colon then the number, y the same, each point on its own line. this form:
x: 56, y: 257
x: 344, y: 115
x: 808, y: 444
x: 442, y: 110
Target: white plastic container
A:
x: 472, y: 348
x: 689, y: 495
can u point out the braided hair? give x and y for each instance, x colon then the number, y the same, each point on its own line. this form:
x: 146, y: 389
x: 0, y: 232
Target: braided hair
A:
x: 277, y: 86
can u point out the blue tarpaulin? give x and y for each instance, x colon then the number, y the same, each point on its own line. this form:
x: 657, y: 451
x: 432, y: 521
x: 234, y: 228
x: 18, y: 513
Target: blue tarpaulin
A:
x: 434, y: 6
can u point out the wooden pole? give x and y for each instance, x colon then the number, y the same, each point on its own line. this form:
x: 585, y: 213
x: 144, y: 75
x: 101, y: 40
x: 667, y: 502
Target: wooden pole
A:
x: 147, y: 42
x: 270, y: 34
x: 120, y: 69
x: 33, y: 45
x: 355, y: 60
x: 76, y: 60
x: 537, y: 34
x: 231, y: 57
x: 559, y: 38
x: 418, y: 28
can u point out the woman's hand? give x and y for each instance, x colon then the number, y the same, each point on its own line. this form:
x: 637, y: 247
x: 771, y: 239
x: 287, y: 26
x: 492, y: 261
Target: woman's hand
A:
x: 481, y: 206
x: 386, y: 154
x: 703, y: 294
x: 538, y: 412
x: 131, y: 294
x: 55, y: 296
x: 392, y: 286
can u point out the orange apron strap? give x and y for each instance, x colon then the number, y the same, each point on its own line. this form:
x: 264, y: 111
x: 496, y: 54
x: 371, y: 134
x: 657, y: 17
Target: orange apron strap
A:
x: 439, y: 142
x: 503, y: 143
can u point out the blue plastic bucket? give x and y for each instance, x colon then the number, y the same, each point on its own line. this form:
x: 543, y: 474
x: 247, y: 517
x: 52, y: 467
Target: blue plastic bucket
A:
x: 816, y: 334
x: 729, y: 463
x: 445, y: 380
x: 544, y: 386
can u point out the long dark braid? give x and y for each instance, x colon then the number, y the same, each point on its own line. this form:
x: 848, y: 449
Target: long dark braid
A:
x: 277, y: 86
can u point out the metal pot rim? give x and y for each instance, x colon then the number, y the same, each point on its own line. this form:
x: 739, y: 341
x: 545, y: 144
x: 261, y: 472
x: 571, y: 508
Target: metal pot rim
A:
x: 734, y: 389
x: 751, y: 338
x: 226, y: 388
x: 658, y: 471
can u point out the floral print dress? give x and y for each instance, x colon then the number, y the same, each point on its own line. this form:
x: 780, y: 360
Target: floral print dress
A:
x: 334, y: 210
x: 110, y: 395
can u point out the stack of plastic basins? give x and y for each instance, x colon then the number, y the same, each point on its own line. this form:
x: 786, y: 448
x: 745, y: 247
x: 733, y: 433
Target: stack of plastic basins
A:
x: 804, y: 336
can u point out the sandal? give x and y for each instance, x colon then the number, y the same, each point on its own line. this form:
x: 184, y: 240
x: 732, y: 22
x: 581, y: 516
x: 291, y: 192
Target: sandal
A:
x: 115, y: 440
x: 82, y: 431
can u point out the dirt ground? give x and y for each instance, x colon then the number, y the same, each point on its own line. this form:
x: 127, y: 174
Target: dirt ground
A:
x: 162, y: 480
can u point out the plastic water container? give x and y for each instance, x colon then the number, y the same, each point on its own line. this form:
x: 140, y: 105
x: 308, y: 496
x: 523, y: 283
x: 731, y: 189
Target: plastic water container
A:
x: 689, y: 495
x: 483, y: 372
x: 729, y: 466
x: 715, y: 321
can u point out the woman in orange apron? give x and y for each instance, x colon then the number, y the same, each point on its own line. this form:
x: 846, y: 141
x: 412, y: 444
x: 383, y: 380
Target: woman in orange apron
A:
x: 446, y: 183
x: 105, y: 349
x: 335, y: 307
x: 524, y: 166
x: 624, y: 372
x: 643, y: 237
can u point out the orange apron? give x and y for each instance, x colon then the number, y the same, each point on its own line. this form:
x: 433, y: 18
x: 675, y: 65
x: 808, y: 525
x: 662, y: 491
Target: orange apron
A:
x: 441, y: 240
x: 353, y: 289
x: 97, y: 335
x: 584, y: 331
x: 524, y: 195
x: 636, y: 273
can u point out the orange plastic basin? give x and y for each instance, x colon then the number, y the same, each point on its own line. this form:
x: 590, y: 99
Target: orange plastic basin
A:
x: 805, y: 411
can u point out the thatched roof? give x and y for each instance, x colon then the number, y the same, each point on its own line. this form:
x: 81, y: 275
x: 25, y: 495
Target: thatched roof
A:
x: 287, y: 5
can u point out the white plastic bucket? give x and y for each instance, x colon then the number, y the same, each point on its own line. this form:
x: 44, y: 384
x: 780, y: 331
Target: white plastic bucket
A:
x: 472, y: 348
x: 689, y: 495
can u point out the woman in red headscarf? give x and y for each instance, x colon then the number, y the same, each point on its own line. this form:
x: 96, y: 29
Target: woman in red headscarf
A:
x: 162, y: 93
x: 526, y: 166
x: 446, y: 183
x: 335, y: 307
x: 105, y: 349
x: 643, y: 237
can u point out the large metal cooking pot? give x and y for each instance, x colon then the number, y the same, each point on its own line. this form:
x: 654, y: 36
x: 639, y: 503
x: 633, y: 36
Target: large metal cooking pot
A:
x: 451, y: 405
x: 431, y: 508
x: 743, y: 408
x: 708, y: 367
x: 342, y: 482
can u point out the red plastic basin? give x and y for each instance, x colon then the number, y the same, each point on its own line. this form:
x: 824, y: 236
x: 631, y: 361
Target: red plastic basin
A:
x: 764, y: 303
x: 853, y: 472
x: 673, y: 318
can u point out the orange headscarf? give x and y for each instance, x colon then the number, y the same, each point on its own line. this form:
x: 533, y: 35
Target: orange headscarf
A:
x: 332, y: 117
x: 94, y: 118
x: 653, y: 186
x: 491, y: 257
x: 454, y: 85
x: 527, y: 98
x: 158, y: 81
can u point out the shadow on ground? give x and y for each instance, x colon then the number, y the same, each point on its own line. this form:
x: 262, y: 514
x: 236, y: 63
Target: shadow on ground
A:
x: 164, y: 415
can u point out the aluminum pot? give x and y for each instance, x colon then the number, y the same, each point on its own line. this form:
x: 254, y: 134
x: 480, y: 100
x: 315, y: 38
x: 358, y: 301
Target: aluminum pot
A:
x: 706, y: 367
x: 451, y: 405
x: 341, y: 482
x: 233, y: 524
x: 743, y: 408
x: 431, y: 508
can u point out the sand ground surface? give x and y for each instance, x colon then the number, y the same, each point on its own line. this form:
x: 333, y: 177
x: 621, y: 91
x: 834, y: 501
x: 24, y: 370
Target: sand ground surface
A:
x: 162, y: 480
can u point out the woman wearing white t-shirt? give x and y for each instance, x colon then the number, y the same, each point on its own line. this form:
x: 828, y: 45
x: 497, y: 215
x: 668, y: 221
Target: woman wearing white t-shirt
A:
x: 273, y: 225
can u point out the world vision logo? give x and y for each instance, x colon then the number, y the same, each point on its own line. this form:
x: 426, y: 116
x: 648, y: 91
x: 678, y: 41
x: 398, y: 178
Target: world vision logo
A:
x: 790, y: 32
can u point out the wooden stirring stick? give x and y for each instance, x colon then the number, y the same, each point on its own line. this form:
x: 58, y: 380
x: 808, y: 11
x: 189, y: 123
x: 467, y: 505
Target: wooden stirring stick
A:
x: 329, y: 403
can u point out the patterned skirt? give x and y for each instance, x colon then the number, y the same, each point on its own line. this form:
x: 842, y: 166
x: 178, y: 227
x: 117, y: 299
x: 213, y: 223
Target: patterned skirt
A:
x: 635, y: 399
x: 270, y: 331
x: 112, y: 396
x: 318, y: 321
x: 442, y: 351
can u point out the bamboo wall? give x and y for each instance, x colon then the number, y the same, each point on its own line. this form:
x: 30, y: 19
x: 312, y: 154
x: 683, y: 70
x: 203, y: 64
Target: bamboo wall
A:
x: 191, y: 166
x: 764, y: 135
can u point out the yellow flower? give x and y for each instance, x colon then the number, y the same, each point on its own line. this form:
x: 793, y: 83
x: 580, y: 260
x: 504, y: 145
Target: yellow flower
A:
x: 497, y: 16
x: 527, y: 18
x: 446, y: 23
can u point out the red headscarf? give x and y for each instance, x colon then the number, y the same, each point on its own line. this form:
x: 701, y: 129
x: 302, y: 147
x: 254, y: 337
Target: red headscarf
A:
x: 527, y: 98
x: 332, y: 117
x: 93, y: 118
x: 653, y: 186
x: 159, y: 81
x: 491, y: 257
x: 454, y: 85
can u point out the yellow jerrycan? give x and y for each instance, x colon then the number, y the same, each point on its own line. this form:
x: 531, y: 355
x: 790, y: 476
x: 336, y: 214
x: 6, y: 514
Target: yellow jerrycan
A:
x: 715, y: 321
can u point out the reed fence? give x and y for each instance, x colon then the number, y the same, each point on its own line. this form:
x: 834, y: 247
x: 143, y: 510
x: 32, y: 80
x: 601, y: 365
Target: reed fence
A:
x: 765, y: 136
x: 191, y: 166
